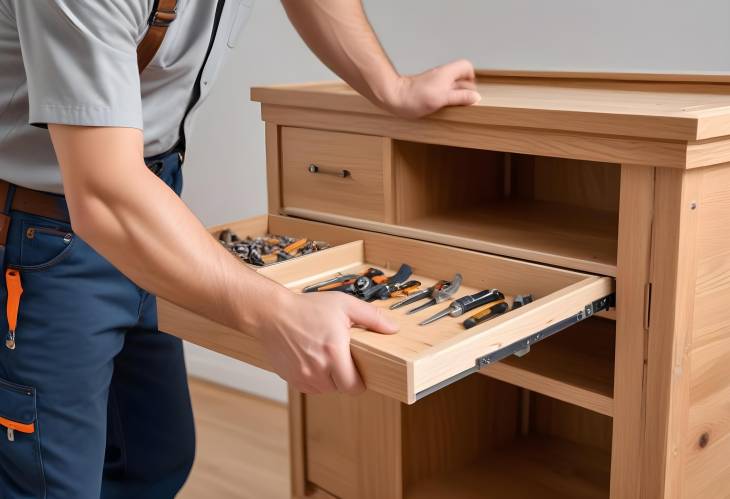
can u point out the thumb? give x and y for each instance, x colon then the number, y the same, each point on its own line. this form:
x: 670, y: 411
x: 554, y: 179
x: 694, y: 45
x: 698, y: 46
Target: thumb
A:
x: 463, y: 97
x: 370, y: 317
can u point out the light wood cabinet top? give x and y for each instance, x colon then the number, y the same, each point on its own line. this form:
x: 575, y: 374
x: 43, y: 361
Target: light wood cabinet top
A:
x: 689, y: 107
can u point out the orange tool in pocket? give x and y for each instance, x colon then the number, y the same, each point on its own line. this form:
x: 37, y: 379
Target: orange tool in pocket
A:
x: 14, y: 426
x: 15, y: 289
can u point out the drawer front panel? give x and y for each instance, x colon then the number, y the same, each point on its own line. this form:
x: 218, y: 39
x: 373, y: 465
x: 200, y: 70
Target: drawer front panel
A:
x: 333, y: 172
x: 417, y: 360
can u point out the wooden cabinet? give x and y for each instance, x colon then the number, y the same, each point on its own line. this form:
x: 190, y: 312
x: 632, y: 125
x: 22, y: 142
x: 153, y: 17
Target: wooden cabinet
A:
x: 585, y: 190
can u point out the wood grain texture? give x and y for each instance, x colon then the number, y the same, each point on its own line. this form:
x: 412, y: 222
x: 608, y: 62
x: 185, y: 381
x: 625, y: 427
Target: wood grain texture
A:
x: 353, y: 445
x: 548, y: 468
x: 542, y: 232
x: 297, y: 443
x: 273, y: 167
x: 389, y: 180
x: 456, y: 427
x: 575, y: 366
x: 573, y: 145
x: 578, y: 184
x: 316, y: 493
x: 360, y: 194
x: 636, y: 214
x: 432, y: 179
x: 673, y: 274
x: 554, y: 418
x: 707, y: 438
x: 674, y: 110
x: 712, y: 315
x: 686, y: 77
x: 241, y: 446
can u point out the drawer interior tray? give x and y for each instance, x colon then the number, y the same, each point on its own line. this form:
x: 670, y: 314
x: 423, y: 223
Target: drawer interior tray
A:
x: 418, y: 360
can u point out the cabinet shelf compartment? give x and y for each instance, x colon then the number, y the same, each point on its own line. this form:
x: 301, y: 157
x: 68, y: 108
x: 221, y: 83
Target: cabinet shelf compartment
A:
x: 550, y: 210
x: 494, y: 440
x: 576, y: 366
x: 478, y: 438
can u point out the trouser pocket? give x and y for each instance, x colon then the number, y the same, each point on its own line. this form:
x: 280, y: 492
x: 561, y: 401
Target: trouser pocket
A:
x: 21, y: 470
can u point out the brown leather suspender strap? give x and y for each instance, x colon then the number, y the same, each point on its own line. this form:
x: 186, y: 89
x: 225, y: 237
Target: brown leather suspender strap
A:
x: 163, y: 14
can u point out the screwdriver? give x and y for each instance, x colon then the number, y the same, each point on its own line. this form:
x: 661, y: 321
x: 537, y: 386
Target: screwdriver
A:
x: 465, y: 304
x: 489, y: 312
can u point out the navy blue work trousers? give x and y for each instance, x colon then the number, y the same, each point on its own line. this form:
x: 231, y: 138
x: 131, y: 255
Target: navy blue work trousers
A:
x: 100, y: 395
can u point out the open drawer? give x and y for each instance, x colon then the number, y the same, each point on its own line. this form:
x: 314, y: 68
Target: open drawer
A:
x: 418, y: 360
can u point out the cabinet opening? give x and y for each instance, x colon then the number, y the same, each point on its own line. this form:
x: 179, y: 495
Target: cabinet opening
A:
x: 552, y: 210
x: 576, y: 365
x: 486, y: 438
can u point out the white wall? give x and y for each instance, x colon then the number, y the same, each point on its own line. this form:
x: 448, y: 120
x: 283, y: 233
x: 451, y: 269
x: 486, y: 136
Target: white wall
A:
x: 225, y: 177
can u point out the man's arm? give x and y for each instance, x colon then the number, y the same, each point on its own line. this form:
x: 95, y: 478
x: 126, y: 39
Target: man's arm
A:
x: 339, y: 33
x: 138, y: 223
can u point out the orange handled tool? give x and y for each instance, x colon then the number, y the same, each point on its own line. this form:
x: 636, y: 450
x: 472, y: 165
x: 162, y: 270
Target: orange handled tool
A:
x: 295, y: 246
x: 15, y: 289
x: 487, y: 312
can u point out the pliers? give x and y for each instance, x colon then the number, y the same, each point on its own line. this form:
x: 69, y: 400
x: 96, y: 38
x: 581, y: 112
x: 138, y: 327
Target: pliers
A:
x: 439, y: 292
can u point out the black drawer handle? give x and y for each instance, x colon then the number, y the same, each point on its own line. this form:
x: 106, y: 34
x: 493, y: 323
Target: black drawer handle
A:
x: 316, y: 169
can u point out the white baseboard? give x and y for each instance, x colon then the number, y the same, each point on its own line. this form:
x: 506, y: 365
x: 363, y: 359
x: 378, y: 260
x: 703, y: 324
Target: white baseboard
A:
x: 229, y: 372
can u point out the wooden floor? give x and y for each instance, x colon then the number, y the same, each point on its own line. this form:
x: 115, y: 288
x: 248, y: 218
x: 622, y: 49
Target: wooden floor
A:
x: 242, y: 446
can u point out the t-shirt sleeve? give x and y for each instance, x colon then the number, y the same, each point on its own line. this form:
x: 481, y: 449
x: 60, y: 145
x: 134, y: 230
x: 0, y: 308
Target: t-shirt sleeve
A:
x: 80, y: 61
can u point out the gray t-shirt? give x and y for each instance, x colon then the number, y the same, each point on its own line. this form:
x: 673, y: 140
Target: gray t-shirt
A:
x: 75, y: 62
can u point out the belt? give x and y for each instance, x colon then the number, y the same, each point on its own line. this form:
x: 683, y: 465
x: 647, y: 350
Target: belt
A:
x: 39, y: 203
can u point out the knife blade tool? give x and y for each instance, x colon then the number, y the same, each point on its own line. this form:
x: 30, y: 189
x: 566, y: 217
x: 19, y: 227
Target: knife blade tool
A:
x: 466, y: 304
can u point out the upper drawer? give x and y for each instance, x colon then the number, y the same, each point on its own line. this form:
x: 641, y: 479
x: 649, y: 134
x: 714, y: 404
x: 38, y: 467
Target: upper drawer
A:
x: 417, y: 360
x: 332, y: 172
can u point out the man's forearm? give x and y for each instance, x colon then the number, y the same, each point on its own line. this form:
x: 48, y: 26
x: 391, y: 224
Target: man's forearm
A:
x: 148, y: 233
x: 339, y: 33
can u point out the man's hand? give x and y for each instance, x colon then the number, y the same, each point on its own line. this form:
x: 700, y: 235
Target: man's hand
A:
x: 308, y: 340
x: 339, y: 33
x: 452, y: 84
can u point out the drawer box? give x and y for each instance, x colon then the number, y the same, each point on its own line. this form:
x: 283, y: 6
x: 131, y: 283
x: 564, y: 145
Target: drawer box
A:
x: 333, y: 172
x: 418, y: 360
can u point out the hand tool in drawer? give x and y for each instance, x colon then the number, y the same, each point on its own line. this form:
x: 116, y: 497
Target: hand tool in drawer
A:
x: 366, y: 288
x: 343, y: 280
x: 438, y: 293
x: 390, y: 290
x: 521, y: 301
x: 489, y: 311
x: 465, y: 304
x: 268, y: 249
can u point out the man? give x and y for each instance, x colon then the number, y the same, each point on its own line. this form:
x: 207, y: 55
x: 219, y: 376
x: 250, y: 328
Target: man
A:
x: 93, y: 399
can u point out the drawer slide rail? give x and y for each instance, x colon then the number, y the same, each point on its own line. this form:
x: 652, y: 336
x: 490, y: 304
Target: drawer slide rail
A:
x: 521, y: 347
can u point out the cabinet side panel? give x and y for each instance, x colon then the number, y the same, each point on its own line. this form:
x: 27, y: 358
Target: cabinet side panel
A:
x: 673, y: 276
x: 707, y: 441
